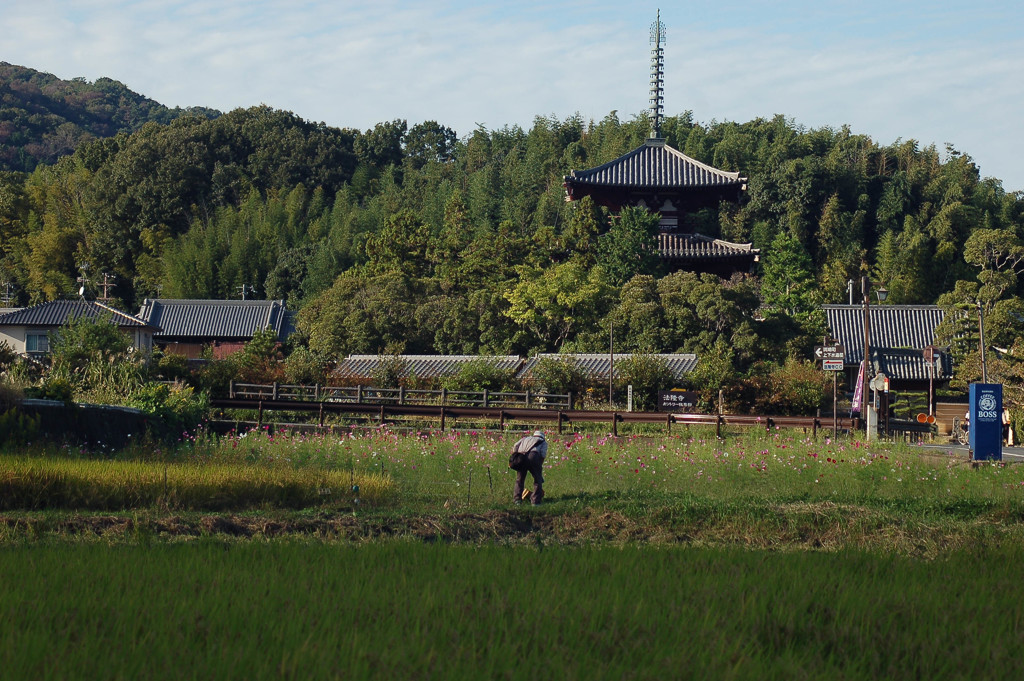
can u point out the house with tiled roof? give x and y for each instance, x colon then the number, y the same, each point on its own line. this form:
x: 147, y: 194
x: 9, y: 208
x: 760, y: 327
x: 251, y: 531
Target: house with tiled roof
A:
x: 898, y: 336
x: 29, y: 330
x: 188, y: 327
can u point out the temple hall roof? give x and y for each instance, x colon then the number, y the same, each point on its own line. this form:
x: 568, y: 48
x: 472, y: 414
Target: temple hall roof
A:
x: 686, y: 246
x: 655, y: 165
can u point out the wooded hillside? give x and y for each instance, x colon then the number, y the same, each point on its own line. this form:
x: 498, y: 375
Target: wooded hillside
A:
x: 416, y: 239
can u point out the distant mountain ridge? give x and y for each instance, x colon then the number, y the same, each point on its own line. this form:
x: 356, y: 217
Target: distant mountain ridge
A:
x: 43, y: 117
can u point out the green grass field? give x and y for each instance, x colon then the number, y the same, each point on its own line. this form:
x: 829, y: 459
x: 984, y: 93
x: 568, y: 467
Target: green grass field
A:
x: 766, y: 556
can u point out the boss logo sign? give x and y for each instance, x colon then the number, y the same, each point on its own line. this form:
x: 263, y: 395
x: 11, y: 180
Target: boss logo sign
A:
x: 987, y: 408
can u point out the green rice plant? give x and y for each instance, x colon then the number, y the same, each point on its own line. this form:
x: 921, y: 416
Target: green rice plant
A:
x: 434, y: 611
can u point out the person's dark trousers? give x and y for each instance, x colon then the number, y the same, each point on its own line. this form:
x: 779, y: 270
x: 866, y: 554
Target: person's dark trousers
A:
x: 535, y: 464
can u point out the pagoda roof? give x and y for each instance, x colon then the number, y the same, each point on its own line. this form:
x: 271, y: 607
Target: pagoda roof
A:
x: 697, y: 246
x: 655, y: 165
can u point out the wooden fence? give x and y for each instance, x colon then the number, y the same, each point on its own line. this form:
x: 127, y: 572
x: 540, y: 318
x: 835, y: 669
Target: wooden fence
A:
x: 369, y: 395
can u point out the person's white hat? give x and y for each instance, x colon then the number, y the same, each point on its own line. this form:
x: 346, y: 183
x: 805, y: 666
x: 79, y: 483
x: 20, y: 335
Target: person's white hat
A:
x: 537, y: 433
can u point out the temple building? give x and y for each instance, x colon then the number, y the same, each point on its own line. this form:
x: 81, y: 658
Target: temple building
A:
x: 665, y: 181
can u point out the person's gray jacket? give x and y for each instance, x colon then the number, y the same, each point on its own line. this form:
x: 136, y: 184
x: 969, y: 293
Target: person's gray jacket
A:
x: 534, y: 442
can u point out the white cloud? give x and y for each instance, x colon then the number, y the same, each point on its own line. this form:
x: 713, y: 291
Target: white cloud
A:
x: 926, y: 72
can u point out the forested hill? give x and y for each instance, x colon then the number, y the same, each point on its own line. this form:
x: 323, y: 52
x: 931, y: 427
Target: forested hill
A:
x: 410, y: 237
x: 43, y: 117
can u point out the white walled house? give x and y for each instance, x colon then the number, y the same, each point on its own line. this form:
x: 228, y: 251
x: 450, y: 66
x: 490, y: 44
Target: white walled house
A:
x: 27, y: 331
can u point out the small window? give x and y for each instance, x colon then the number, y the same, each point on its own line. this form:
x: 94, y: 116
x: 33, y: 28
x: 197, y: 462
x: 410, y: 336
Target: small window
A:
x: 37, y: 342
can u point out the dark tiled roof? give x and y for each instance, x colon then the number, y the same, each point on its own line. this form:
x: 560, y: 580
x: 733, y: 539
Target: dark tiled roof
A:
x: 687, y: 246
x: 422, y: 366
x: 892, y: 327
x: 655, y: 164
x: 596, y: 366
x: 227, y: 320
x: 57, y: 312
x: 909, y: 365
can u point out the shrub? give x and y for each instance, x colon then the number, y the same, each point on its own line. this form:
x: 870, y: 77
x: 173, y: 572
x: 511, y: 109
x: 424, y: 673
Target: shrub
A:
x: 647, y: 374
x: 305, y: 366
x: 559, y: 376
x: 481, y: 374
x: 178, y: 408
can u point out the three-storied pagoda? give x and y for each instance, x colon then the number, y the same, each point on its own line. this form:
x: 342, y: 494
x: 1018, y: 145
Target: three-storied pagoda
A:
x: 665, y: 181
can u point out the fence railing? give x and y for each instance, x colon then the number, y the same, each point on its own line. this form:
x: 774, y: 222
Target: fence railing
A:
x: 361, y: 394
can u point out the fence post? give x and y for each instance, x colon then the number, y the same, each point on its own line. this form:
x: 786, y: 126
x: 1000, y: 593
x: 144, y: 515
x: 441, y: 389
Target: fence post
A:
x: 486, y: 398
x: 321, y: 414
x: 359, y: 394
x: 569, y: 401
x: 527, y: 397
x: 382, y: 414
x: 231, y: 388
x: 615, y: 423
x: 401, y: 394
x: 501, y: 419
x: 814, y: 430
x: 560, y: 421
x: 668, y: 422
x: 444, y: 401
x: 316, y: 392
x: 442, y: 417
x: 259, y: 416
x: 274, y: 394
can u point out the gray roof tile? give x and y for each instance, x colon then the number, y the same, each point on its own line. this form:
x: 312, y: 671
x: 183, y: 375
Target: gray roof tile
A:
x: 655, y: 164
x: 202, y: 320
x: 421, y: 366
x: 56, y: 313
x: 596, y: 366
x: 899, y: 334
x: 699, y: 246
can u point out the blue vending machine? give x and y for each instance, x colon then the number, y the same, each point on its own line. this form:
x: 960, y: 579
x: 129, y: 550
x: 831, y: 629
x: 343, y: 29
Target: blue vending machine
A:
x: 986, y: 428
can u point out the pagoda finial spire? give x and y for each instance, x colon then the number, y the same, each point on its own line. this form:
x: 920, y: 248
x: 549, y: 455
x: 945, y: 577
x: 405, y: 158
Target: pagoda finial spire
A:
x: 657, y: 100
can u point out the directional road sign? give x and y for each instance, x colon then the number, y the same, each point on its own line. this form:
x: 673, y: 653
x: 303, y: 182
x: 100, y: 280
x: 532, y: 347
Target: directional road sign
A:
x: 832, y: 364
x: 833, y: 352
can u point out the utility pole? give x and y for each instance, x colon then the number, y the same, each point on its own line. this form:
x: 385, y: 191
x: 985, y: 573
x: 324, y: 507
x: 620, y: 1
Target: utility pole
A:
x: 108, y: 283
x: 981, y: 341
x: 611, y: 360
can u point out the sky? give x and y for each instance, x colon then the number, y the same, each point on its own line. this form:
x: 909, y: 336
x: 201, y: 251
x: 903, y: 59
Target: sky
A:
x: 940, y: 73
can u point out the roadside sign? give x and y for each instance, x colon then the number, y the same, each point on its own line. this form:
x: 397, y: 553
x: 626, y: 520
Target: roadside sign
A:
x: 833, y: 352
x: 832, y: 364
x: 677, y: 400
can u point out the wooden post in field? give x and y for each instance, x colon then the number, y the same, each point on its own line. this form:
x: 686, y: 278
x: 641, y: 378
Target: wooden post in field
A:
x: 668, y: 422
x: 259, y: 415
x: 382, y: 414
x: 560, y: 416
x: 231, y: 388
x: 615, y: 423
x: 442, y: 415
x: 359, y: 394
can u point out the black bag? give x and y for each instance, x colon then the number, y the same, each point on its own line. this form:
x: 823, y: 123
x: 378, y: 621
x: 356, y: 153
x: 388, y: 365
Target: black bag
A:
x: 517, y: 461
